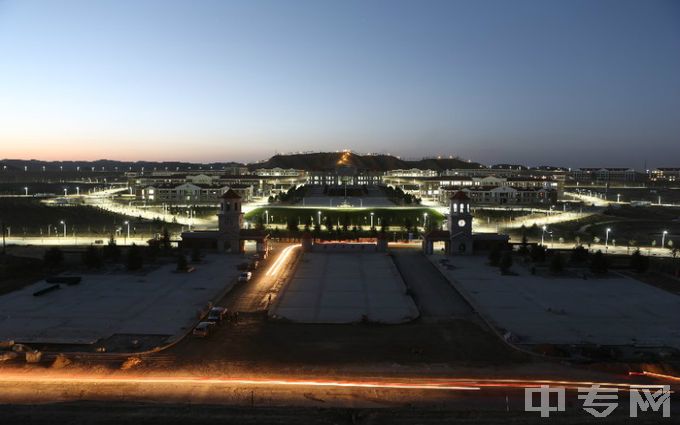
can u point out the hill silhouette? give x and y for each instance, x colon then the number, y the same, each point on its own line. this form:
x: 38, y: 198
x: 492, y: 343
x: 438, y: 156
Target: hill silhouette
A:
x: 324, y: 161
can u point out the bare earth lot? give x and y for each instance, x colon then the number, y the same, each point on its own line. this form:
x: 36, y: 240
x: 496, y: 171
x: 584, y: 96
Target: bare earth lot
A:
x: 160, y: 302
x: 612, y: 310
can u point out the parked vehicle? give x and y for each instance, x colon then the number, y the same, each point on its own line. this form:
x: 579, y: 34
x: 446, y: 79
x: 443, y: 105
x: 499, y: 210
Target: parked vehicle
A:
x: 216, y: 314
x: 245, y: 277
x: 203, y: 329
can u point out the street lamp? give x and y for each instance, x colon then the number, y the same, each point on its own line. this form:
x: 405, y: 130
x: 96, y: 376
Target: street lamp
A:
x: 606, y: 239
x: 266, y: 215
x: 372, y: 214
x: 65, y: 191
x: 63, y: 223
x: 663, y: 238
x: 127, y: 223
x: 543, y: 234
x: 618, y: 197
x: 78, y: 190
x: 318, y: 220
x: 26, y: 190
x: 424, y: 220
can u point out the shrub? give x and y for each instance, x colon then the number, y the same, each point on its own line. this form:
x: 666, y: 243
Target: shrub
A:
x: 599, y: 264
x: 195, y: 255
x: 495, y: 256
x: 557, y: 263
x: 54, y: 257
x: 182, y: 265
x: 537, y: 253
x: 135, y: 260
x: 638, y: 262
x: 506, y: 262
x: 579, y: 255
x: 92, y: 258
x: 111, y: 250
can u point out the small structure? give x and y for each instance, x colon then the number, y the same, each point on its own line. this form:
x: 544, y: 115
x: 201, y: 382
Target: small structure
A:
x: 459, y: 239
x: 230, y: 235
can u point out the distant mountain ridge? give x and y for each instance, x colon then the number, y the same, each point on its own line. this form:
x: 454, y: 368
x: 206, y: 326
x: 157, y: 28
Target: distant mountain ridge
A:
x: 324, y: 161
x: 319, y: 161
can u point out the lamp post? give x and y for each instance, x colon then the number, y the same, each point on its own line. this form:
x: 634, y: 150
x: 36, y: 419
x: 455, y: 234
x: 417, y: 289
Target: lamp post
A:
x: 543, y: 235
x: 424, y: 220
x: 618, y: 197
x: 372, y: 214
x: 78, y: 190
x: 266, y: 215
x: 63, y: 223
x: 65, y: 191
x: 663, y: 238
x: 127, y: 223
x: 26, y: 190
x: 318, y: 218
x: 606, y: 239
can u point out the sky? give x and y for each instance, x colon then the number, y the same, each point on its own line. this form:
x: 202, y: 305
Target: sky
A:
x: 571, y: 83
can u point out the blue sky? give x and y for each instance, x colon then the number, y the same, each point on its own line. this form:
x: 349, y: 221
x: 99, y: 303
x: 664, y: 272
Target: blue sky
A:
x: 579, y: 82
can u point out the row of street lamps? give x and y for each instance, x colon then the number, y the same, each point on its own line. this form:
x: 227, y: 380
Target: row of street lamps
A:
x: 606, y: 237
x: 318, y: 220
x: 65, y: 191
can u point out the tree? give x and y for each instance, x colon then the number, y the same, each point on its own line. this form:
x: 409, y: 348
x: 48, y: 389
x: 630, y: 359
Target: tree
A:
x: 154, y: 249
x: 196, y: 254
x: 345, y: 222
x: 579, y: 255
x: 111, y: 250
x: 135, y: 260
x: 407, y: 224
x: 182, y: 265
x: 384, y: 224
x: 165, y: 240
x: 639, y: 262
x: 506, y: 262
x: 292, y: 224
x: 92, y: 258
x: 557, y: 263
x: 53, y: 257
x: 537, y: 253
x: 495, y: 256
x: 598, y: 263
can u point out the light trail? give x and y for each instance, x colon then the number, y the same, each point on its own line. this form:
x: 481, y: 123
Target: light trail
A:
x: 274, y: 269
x: 85, y: 379
x: 462, y: 384
x: 656, y: 375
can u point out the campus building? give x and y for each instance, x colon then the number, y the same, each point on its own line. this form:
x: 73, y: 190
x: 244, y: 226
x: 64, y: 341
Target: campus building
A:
x: 459, y: 239
x: 230, y: 235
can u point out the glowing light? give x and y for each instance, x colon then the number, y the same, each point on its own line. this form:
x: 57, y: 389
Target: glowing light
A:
x: 274, y: 269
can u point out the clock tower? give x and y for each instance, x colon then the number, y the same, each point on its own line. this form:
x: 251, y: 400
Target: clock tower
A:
x: 460, y: 224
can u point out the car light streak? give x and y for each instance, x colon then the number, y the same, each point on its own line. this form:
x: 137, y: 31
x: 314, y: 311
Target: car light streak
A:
x: 462, y: 384
x: 274, y: 269
x: 656, y: 375
x: 89, y: 379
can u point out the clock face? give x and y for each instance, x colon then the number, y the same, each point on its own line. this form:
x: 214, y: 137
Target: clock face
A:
x: 461, y: 223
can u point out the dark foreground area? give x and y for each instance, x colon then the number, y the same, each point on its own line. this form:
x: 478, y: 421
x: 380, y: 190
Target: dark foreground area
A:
x: 126, y: 413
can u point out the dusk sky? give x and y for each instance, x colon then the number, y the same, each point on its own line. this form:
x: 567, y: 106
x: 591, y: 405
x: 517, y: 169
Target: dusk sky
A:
x: 574, y: 83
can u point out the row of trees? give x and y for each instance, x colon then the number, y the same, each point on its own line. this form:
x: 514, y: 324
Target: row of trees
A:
x: 95, y: 257
x: 598, y: 262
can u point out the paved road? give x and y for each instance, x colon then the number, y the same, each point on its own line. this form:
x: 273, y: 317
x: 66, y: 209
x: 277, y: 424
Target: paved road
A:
x: 256, y: 295
x: 434, y: 296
